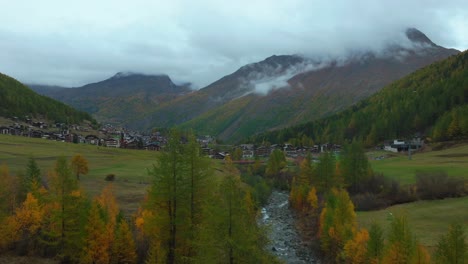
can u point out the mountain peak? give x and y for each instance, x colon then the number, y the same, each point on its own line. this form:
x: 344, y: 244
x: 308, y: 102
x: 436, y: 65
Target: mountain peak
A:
x: 417, y: 36
x: 124, y: 74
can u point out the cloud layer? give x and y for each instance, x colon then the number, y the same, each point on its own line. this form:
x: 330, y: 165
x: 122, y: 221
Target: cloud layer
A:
x: 72, y: 43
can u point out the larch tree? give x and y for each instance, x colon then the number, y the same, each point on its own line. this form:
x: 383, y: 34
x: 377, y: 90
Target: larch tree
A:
x: 229, y: 233
x: 337, y: 223
x: 8, y: 191
x: 123, y: 248
x: 67, y: 219
x: 109, y: 206
x: 27, y: 221
x: 355, y: 249
x: 96, y: 242
x: 168, y: 198
x: 33, y: 175
x: 375, y: 244
x: 324, y: 176
x: 301, y: 185
x: 452, y: 247
x: 79, y: 165
x: 401, y: 243
x: 276, y: 162
x: 198, y: 172
x: 354, y: 165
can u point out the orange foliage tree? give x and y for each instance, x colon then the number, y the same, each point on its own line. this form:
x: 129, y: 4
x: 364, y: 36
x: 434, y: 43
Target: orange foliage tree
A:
x: 123, y: 248
x: 27, y: 221
x: 96, y: 243
x: 337, y: 223
x: 79, y: 165
x: 355, y: 250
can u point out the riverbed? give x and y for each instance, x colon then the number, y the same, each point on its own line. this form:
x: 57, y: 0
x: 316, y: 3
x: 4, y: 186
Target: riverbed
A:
x: 286, y: 242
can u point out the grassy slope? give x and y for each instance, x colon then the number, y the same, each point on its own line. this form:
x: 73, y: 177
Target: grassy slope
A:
x: 454, y: 161
x: 129, y: 166
x: 428, y: 219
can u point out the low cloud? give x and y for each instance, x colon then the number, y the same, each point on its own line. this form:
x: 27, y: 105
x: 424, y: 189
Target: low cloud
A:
x: 74, y: 43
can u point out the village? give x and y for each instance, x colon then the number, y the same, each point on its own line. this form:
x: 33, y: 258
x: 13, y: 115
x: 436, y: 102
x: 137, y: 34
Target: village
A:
x: 117, y: 137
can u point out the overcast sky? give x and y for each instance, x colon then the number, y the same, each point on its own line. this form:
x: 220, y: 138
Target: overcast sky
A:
x: 71, y: 43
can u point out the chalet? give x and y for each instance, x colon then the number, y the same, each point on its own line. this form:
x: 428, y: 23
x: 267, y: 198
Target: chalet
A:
x: 262, y: 151
x: 206, y: 151
x: 36, y: 134
x: 130, y: 144
x: 5, y: 130
x: 247, y: 154
x: 40, y: 125
x: 289, y: 150
x: 92, y: 139
x: 112, y: 143
x: 220, y: 155
x: 399, y: 145
x: 154, y: 146
x: 204, y: 140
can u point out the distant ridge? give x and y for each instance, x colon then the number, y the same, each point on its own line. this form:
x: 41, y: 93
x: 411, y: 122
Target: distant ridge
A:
x: 119, y: 99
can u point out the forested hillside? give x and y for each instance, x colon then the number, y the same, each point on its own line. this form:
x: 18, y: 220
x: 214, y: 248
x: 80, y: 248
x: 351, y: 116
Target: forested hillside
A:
x: 431, y: 101
x: 18, y: 100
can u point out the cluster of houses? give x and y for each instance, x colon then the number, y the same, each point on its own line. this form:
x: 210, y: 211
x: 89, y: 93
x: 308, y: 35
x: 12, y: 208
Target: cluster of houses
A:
x: 250, y: 151
x: 108, y: 135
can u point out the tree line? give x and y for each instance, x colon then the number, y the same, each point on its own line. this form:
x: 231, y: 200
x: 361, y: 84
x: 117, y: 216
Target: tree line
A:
x: 191, y: 214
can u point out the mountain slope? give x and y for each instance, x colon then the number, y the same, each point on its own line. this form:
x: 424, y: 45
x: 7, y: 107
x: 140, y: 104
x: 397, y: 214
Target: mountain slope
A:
x: 313, y: 89
x: 431, y: 101
x: 120, y: 98
x: 18, y: 100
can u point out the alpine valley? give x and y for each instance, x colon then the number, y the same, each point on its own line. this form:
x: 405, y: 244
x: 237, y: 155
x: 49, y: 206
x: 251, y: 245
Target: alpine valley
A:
x: 277, y: 92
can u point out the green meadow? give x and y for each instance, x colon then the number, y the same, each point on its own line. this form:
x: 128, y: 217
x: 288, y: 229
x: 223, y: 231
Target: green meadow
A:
x: 129, y: 166
x: 428, y: 219
x: 397, y: 166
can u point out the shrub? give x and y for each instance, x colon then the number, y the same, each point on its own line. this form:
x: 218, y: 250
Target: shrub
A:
x: 369, y: 201
x: 110, y: 177
x: 438, y: 185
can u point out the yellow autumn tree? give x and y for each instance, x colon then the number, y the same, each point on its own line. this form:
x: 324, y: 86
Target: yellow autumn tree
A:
x: 337, y: 223
x: 312, y: 199
x: 108, y: 203
x: 96, y: 245
x: 79, y: 165
x: 123, y: 248
x: 355, y: 250
x: 27, y: 220
x: 401, y: 243
x: 421, y: 255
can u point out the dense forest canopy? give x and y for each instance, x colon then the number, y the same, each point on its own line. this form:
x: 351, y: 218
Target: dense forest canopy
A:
x: 18, y: 100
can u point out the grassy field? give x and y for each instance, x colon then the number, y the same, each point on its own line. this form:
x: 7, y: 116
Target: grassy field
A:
x: 428, y: 219
x: 129, y: 166
x: 397, y: 166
